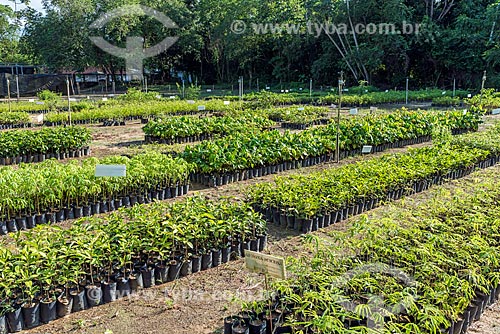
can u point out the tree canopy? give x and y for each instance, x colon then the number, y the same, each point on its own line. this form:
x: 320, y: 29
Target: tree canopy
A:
x: 456, y: 39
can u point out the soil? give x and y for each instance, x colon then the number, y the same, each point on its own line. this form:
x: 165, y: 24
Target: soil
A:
x: 197, y: 304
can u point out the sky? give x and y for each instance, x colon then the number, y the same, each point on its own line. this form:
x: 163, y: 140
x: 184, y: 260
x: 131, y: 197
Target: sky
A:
x: 37, y: 4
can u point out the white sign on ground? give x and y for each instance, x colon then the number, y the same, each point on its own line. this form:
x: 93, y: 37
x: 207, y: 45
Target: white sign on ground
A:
x: 353, y: 111
x: 40, y: 103
x: 373, y: 109
x: 31, y: 100
x: 301, y: 109
x: 265, y: 264
x: 190, y: 102
x: 209, y: 90
x: 495, y: 111
x: 367, y: 149
x: 110, y: 170
x: 39, y: 118
x: 226, y: 103
x: 172, y: 97
x: 201, y: 108
x: 104, y: 99
x: 469, y: 95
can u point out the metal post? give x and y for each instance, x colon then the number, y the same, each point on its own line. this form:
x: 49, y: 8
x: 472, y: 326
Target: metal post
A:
x: 310, y: 87
x: 454, y: 86
x: 258, y: 84
x: 17, y: 87
x: 113, y: 85
x: 8, y: 94
x: 482, y: 89
x: 407, y: 84
x: 183, y: 89
x: 146, y: 84
x: 69, y: 102
x: 341, y: 85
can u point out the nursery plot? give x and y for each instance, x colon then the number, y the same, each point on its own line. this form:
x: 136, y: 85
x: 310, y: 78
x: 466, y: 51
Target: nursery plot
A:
x: 212, y: 295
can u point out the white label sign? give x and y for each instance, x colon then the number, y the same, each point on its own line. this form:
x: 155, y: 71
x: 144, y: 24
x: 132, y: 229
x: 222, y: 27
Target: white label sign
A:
x: 190, y: 102
x: 40, y: 103
x: 301, y: 109
x: 268, y: 88
x: 444, y: 93
x: 469, y: 95
x: 367, y: 149
x: 226, y: 103
x: 209, y: 90
x: 373, y: 109
x: 201, y: 108
x: 31, y: 100
x: 110, y: 170
x: 172, y: 97
x: 495, y: 111
x: 104, y: 99
x: 353, y: 111
x: 334, y: 106
x: 39, y: 118
x: 265, y: 264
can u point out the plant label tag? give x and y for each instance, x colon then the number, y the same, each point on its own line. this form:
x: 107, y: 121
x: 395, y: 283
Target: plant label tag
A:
x: 354, y: 111
x: 367, y: 149
x: 72, y: 99
x: 226, y: 103
x: 465, y: 112
x: 110, y: 170
x: 40, y: 103
x: 190, y: 102
x: 31, y: 100
x: 209, y: 90
x: 265, y: 264
x: 172, y: 97
x: 39, y: 118
x: 158, y: 97
x: 268, y: 88
x: 334, y: 106
x: 104, y: 99
x: 495, y: 112
x: 444, y: 93
x: 301, y: 109
x: 201, y: 108
x: 469, y: 95
x: 373, y: 109
x: 111, y: 95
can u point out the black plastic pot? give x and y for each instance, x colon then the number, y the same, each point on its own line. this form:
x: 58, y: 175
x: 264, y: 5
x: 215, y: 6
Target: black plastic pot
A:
x: 48, y: 311
x: 122, y: 288
x: 31, y: 315
x: 135, y: 282
x: 108, y: 292
x: 240, y: 327
x: 12, y: 226
x: 206, y: 261
x: 3, y: 325
x: 30, y: 222
x: 15, y: 320
x: 186, y: 268
x: 94, y: 295
x: 69, y: 213
x: 60, y: 216
x: 258, y: 326
x: 174, y: 191
x: 195, y: 264
x: 226, y: 254
x: 161, y: 273
x: 307, y: 227
x: 3, y: 228
x: 126, y: 201
x: 228, y: 324
x: 78, y: 212
x: 104, y: 207
x: 262, y: 242
x: 21, y: 223
x: 95, y: 208
x: 63, y: 306
x: 254, y: 245
x: 216, y: 257
x: 40, y: 219
x: 148, y: 276
x: 174, y: 270
x: 79, y: 301
x: 236, y: 250
x: 244, y: 245
x: 86, y: 211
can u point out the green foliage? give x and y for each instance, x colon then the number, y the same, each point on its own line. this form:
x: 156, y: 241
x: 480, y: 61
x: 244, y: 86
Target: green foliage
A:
x: 427, y: 259
x: 136, y: 95
x: 50, y: 258
x: 48, y: 140
x: 243, y: 151
x: 39, y: 188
